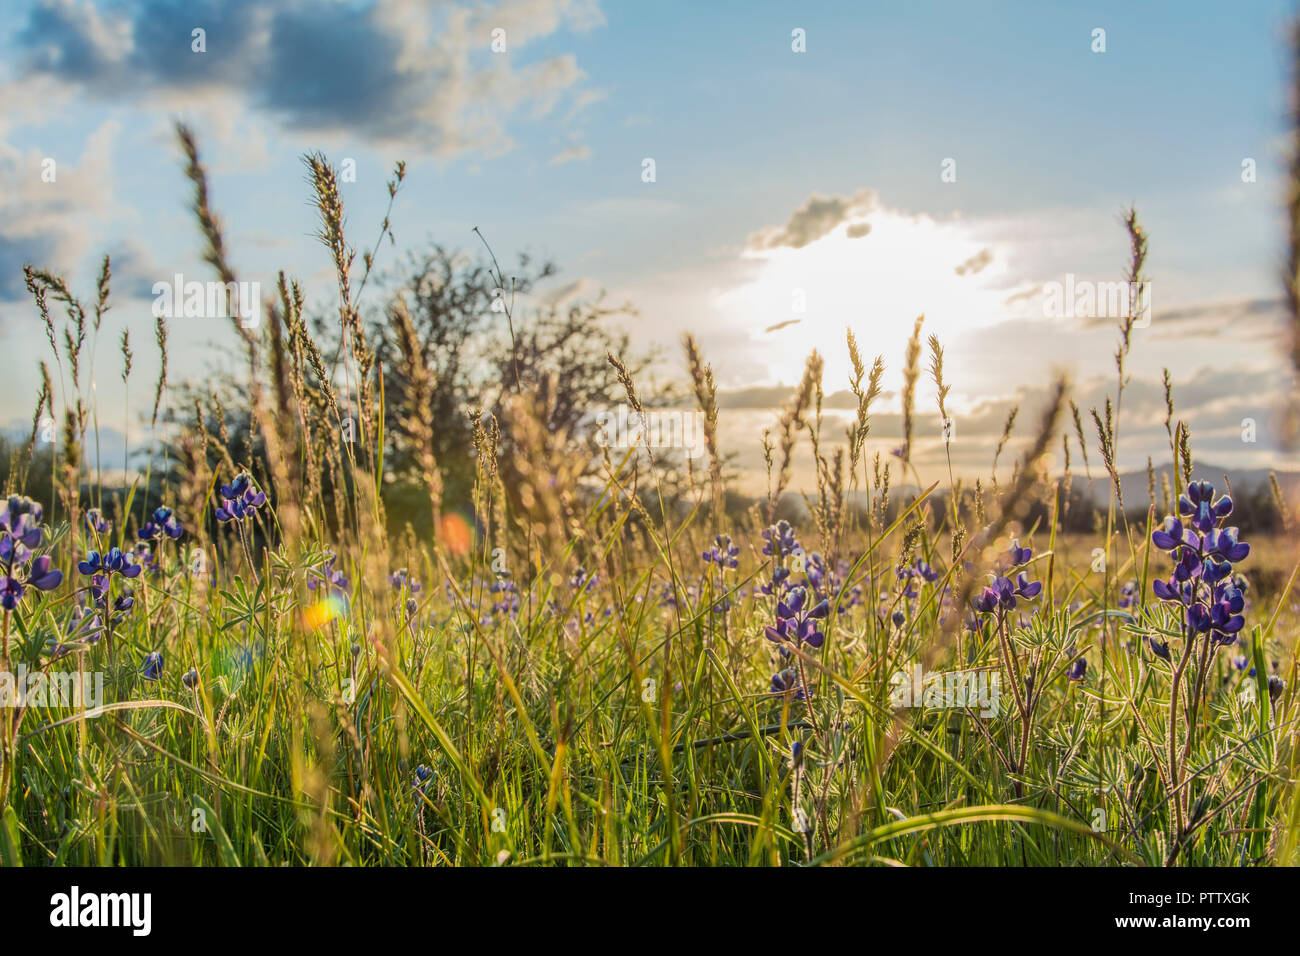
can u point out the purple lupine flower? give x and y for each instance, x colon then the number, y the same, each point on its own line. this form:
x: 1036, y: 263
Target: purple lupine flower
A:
x: 114, y: 561
x: 797, y: 624
x: 507, y: 601
x: 1223, y: 619
x: 152, y: 667
x: 1027, y: 589
x: 1203, y: 582
x: 1199, y: 504
x: 190, y: 679
x: 11, y: 592
x: 1020, y: 555
x: 84, y: 625
x: 817, y: 575
x: 779, y: 583
x: 583, y: 583
x: 146, y: 558
x: 1159, y: 648
x: 924, y: 571
x: 20, y: 520
x: 1222, y: 543
x: 239, y: 501
x: 1172, y: 535
x: 20, y: 532
x: 780, y: 540
x: 401, y: 578
x: 787, y: 681
x: 1002, y: 593
x: 327, y: 576
x: 162, y: 522
x: 723, y: 553
x: 95, y: 521
x: 1077, y: 669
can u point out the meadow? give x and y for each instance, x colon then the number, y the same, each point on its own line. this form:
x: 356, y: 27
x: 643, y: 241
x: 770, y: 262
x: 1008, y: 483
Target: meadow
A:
x: 593, y: 657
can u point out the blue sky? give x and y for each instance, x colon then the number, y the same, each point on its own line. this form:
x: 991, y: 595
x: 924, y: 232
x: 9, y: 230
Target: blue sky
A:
x: 542, y: 148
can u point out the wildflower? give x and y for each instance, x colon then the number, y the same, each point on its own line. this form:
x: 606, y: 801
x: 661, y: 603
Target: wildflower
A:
x: 1200, y: 505
x: 1159, y: 648
x: 1275, y: 687
x: 190, y: 678
x: 239, y: 501
x: 114, y: 561
x: 1172, y: 535
x: 786, y: 681
x: 152, y: 667
x: 507, y: 601
x: 723, y: 553
x: 924, y: 571
x: 780, y: 540
x: 11, y: 592
x: 327, y: 576
x: 1203, y: 582
x: 84, y: 625
x: 583, y: 583
x: 796, y: 624
x: 1020, y: 555
x: 1221, y: 620
x: 1077, y: 669
x: 423, y: 775
x: 20, y: 531
x: 39, y: 574
x: 147, y: 558
x: 1002, y: 593
x: 402, y: 579
x: 163, y: 522
x: 95, y: 521
x: 780, y: 581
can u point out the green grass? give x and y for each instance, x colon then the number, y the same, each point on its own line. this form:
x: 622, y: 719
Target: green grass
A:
x: 610, y: 730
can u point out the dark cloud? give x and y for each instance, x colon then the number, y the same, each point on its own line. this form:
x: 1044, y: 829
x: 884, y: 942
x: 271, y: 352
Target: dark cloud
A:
x: 817, y: 217
x: 14, y: 254
x: 396, y: 70
x: 975, y: 263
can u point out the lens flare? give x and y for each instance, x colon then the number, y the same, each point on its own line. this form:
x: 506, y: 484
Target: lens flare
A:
x: 322, y: 612
x: 455, y: 533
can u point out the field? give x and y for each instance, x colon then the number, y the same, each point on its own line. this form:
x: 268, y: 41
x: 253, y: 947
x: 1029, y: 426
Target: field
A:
x: 257, y: 661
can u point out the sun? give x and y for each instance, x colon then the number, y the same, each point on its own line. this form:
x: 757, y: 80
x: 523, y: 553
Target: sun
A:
x: 875, y: 280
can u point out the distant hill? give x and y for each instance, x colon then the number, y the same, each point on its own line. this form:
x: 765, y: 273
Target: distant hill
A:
x: 1134, y: 483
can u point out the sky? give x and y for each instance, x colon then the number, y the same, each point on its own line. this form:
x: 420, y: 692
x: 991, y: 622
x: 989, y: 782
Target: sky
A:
x: 817, y: 167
